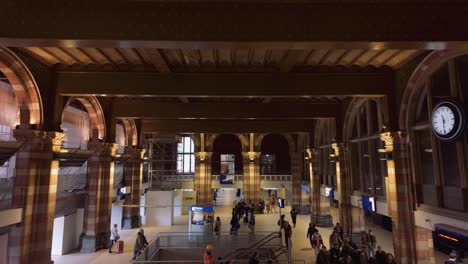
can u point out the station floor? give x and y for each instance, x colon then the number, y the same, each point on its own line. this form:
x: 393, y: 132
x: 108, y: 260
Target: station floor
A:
x: 265, y: 222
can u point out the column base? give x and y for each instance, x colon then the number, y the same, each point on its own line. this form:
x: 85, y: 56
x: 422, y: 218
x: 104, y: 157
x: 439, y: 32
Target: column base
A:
x: 91, y: 244
x: 302, y: 209
x: 131, y: 222
x: 322, y: 220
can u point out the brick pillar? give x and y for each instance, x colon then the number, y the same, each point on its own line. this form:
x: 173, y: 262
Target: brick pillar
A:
x: 358, y: 224
x: 251, y: 176
x: 320, y: 206
x: 133, y: 177
x: 202, y: 178
x: 343, y: 185
x: 399, y: 197
x: 98, y: 203
x: 424, y: 246
x: 34, y: 190
x: 297, y: 163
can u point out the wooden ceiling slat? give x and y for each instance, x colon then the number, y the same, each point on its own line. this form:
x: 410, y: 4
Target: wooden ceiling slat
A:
x: 119, y: 54
x: 155, y: 57
x: 138, y: 55
x: 390, y: 57
x: 108, y: 58
x: 277, y: 56
x: 41, y: 56
x: 181, y: 56
x: 316, y: 56
x: 384, y: 57
x: 172, y: 56
x: 224, y: 57
x: 233, y: 56
x: 372, y: 58
x: 355, y: 59
x: 325, y: 57
x: 340, y: 58
x: 332, y: 56
x: 91, y: 58
x: 130, y: 56
x: 55, y: 56
x: 69, y: 51
x: 267, y: 57
x: 403, y: 58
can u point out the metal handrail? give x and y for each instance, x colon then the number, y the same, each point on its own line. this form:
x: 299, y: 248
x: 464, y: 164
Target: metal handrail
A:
x: 154, y: 245
x: 255, y: 245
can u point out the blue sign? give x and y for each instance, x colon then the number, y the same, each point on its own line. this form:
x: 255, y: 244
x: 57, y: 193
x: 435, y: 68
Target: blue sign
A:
x: 305, y: 187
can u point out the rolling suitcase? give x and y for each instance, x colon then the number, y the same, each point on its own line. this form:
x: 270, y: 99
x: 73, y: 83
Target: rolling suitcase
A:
x: 118, y: 247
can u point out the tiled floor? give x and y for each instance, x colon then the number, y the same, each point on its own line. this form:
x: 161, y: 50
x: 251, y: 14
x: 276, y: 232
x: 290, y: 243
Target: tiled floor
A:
x: 267, y: 222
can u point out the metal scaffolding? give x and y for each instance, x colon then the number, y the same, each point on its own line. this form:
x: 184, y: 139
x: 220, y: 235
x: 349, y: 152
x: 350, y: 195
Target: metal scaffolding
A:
x: 162, y: 159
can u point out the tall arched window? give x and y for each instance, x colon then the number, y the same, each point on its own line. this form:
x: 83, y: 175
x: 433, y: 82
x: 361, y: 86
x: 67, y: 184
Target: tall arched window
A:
x: 326, y: 168
x: 440, y: 167
x: 185, y: 156
x: 367, y: 170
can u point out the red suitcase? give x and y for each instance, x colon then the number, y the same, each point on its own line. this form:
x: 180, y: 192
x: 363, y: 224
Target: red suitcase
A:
x: 118, y: 247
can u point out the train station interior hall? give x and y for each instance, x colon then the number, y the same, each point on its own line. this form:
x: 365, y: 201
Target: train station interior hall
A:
x: 159, y: 131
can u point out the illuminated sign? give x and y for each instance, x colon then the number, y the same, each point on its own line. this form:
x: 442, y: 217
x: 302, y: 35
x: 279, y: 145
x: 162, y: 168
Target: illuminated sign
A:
x: 448, y: 237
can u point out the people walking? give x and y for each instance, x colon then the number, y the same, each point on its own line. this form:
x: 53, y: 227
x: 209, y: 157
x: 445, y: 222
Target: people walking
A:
x: 287, y: 233
x: 140, y: 243
x: 234, y: 224
x: 311, y: 230
x: 281, y: 222
x: 217, y: 227
x: 380, y: 255
x: 371, y: 243
x: 293, y: 216
x: 335, y: 239
x: 316, y: 242
x: 114, y: 237
x: 252, y: 223
x: 273, y: 203
x: 208, y: 256
x: 323, y: 256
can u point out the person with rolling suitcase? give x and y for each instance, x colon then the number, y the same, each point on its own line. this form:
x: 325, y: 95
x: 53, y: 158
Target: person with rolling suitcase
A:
x: 114, y: 237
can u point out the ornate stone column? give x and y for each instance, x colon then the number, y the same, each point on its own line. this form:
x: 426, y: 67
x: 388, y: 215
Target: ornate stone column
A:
x: 343, y: 185
x: 98, y: 203
x: 406, y: 237
x: 251, y: 176
x: 202, y: 178
x: 320, y: 205
x: 133, y: 177
x: 35, y: 188
x: 297, y: 163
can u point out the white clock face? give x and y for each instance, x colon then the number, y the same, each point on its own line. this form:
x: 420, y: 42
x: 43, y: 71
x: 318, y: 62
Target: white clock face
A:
x: 443, y: 120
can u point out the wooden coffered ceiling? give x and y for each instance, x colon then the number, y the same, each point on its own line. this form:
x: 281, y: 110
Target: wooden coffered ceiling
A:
x: 215, y: 60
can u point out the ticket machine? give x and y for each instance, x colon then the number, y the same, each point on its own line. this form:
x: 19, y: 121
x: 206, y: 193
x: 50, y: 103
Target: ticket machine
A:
x: 201, y: 218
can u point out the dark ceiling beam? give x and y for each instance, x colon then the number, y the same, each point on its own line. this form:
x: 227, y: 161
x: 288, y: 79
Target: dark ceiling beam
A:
x: 226, y: 126
x: 224, y: 85
x: 276, y: 24
x: 148, y: 110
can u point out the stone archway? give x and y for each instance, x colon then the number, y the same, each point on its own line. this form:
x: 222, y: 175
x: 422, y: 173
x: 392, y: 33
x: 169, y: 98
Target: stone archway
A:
x: 24, y: 86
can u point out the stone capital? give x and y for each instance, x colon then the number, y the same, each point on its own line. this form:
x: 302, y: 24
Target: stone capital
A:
x: 390, y: 139
x: 39, y: 139
x: 136, y: 154
x: 203, y: 155
x: 102, y: 149
x: 251, y: 155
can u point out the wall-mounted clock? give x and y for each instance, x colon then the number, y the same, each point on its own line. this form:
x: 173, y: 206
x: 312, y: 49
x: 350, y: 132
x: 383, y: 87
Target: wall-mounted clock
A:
x: 448, y: 120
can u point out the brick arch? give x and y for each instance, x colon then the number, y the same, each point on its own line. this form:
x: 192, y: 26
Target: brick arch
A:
x: 414, y: 87
x: 24, y: 86
x: 96, y: 115
x: 131, y: 133
x: 352, y: 110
